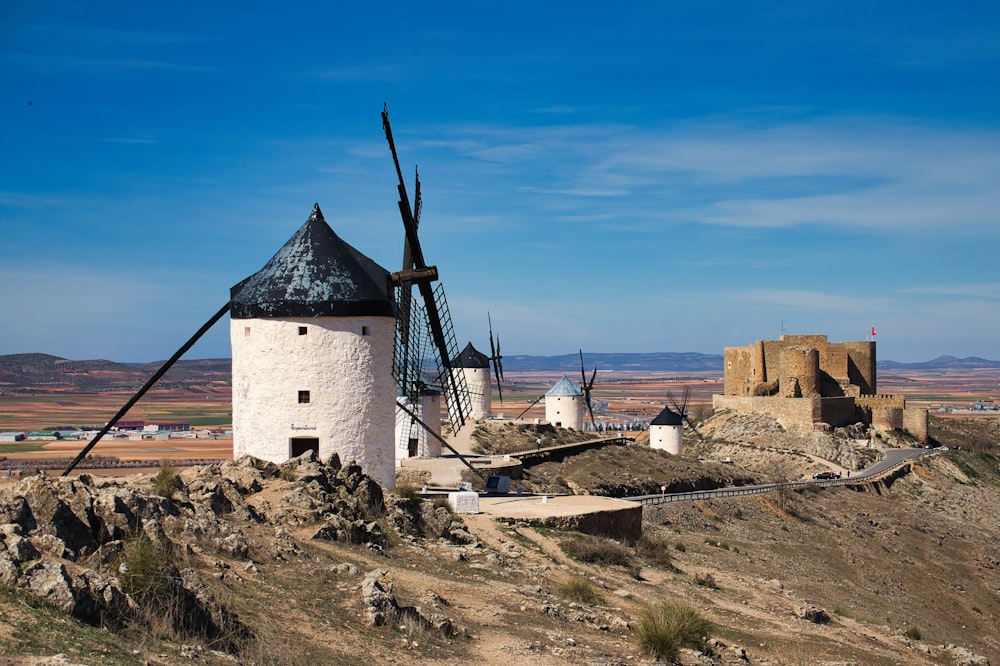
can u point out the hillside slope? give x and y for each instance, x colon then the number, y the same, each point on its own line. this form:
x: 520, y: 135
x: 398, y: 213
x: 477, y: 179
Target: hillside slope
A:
x: 309, y: 563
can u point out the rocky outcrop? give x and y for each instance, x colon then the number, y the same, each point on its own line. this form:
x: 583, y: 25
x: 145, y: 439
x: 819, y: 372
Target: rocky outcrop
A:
x: 69, y: 540
x: 382, y: 609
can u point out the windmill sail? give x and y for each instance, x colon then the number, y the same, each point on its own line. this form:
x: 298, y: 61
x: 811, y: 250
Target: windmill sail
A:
x: 436, y: 320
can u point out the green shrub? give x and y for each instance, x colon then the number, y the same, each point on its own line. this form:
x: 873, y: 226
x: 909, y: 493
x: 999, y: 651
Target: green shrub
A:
x: 664, y: 629
x: 146, y: 572
x: 582, y: 590
x: 166, y: 480
x: 913, y: 633
x: 596, y: 550
x: 679, y: 546
x: 407, y: 491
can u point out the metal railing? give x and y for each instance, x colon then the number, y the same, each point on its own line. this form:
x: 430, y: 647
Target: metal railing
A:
x: 740, y: 491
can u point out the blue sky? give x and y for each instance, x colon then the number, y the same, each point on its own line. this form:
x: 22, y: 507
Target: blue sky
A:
x: 616, y: 177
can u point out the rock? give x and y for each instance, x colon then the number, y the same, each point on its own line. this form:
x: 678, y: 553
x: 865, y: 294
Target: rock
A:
x: 65, y: 519
x: 380, y: 604
x: 432, y: 598
x: 19, y: 548
x: 355, y: 532
x: 815, y: 615
x: 382, y: 609
x: 345, y: 569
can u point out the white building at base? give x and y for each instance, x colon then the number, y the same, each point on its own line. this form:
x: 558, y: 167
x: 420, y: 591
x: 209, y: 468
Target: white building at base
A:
x: 312, y: 342
x: 564, y: 405
x: 666, y: 432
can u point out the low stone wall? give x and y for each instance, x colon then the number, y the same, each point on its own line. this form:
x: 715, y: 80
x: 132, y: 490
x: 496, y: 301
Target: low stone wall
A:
x: 839, y: 412
x: 791, y: 413
x: 622, y: 524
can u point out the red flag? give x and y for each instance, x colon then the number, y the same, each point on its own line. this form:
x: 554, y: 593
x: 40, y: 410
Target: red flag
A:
x: 873, y: 331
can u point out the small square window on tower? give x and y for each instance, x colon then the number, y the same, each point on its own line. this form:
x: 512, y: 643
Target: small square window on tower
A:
x: 246, y: 331
x: 303, y: 330
x: 303, y: 397
x: 364, y: 330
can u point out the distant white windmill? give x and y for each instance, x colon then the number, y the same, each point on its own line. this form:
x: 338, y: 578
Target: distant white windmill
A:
x: 564, y: 405
x: 666, y: 432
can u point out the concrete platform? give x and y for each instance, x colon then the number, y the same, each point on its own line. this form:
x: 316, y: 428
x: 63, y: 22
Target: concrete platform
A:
x: 591, y: 514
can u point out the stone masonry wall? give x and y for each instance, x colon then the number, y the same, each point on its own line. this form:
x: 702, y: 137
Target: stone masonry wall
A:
x: 791, y: 413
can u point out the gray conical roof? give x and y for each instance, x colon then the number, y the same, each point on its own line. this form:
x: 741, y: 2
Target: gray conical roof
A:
x: 667, y: 417
x: 564, y: 388
x: 315, y: 274
x: 471, y: 358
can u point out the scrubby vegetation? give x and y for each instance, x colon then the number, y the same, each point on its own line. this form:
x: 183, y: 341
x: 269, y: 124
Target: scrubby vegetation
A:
x: 582, y: 590
x: 664, y: 629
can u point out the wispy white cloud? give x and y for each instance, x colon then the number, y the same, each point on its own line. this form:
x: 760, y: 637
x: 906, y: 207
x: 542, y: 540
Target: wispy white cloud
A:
x: 985, y: 291
x: 805, y: 300
x: 73, y: 62
x: 871, y: 173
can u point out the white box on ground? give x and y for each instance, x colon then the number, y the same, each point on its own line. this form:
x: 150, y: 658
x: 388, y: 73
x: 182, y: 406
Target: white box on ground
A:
x: 464, y: 502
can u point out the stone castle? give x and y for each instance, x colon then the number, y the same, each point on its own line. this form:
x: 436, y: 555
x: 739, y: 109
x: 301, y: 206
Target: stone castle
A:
x: 807, y: 382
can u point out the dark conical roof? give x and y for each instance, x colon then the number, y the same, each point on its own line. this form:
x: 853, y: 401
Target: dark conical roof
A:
x: 667, y: 417
x: 315, y: 274
x: 471, y: 358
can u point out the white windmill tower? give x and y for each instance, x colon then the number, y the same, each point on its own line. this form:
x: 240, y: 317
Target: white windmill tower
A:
x: 475, y: 365
x: 564, y: 405
x: 666, y: 432
x: 312, y: 343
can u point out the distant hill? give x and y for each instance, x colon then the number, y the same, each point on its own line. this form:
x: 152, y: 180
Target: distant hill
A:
x: 651, y: 362
x: 942, y: 363
x: 44, y: 373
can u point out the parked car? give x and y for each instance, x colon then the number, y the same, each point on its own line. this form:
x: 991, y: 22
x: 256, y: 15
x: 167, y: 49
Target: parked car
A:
x: 826, y: 475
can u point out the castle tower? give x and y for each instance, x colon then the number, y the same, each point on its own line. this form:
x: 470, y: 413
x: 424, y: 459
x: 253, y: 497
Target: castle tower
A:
x: 476, y: 366
x: 666, y: 432
x: 312, y: 341
x: 799, y: 372
x: 564, y: 405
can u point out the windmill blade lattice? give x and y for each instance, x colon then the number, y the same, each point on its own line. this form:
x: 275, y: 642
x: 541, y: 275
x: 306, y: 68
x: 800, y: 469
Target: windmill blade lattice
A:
x: 456, y: 389
x: 436, y: 320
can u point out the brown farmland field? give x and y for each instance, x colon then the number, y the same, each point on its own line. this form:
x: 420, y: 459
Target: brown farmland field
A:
x: 629, y: 396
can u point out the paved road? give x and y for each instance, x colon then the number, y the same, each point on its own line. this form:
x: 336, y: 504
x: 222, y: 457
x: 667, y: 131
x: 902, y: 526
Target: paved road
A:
x: 890, y: 459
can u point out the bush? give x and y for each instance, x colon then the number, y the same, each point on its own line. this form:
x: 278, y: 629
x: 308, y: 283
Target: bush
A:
x: 913, y: 633
x: 582, y: 590
x: 664, y: 629
x: 408, y: 492
x: 443, y: 503
x: 166, y: 480
x: 656, y: 550
x: 595, y: 550
x: 146, y: 572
